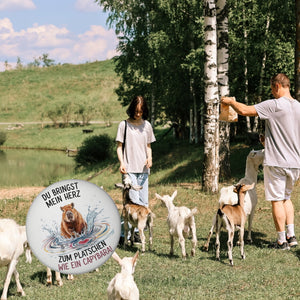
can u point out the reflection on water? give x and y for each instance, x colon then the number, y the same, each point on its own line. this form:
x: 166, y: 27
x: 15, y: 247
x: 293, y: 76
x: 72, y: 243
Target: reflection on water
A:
x: 33, y: 167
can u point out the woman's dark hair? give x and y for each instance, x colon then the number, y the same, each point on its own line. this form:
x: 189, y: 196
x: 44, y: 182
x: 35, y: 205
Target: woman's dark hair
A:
x: 134, y: 103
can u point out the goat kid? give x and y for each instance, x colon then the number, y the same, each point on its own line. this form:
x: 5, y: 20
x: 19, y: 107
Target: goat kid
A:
x: 13, y: 241
x: 137, y: 215
x: 123, y: 286
x: 181, y: 221
x: 231, y: 217
x: 227, y: 196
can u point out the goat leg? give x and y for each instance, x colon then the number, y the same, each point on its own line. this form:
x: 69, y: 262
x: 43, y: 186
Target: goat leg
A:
x: 182, y: 244
x: 125, y: 232
x: 194, y: 239
x: 218, y: 229
x: 172, y: 245
x: 242, y: 242
x: 143, y: 239
x: 150, y: 224
x: 250, y: 219
x: 10, y: 270
x: 230, y: 245
x: 206, y: 245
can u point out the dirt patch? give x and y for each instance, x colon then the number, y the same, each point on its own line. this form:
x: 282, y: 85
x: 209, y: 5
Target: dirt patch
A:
x: 27, y: 193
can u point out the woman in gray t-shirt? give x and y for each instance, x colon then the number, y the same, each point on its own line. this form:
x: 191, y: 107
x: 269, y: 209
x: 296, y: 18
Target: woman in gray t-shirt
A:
x: 135, y: 156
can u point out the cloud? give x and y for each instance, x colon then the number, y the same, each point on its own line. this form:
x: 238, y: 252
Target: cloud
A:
x: 16, y: 5
x: 87, y: 6
x: 63, y: 46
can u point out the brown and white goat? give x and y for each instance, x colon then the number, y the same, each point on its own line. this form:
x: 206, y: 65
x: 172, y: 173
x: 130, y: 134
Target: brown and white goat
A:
x: 228, y: 196
x: 137, y: 215
x: 231, y: 217
x: 181, y: 221
x: 123, y: 286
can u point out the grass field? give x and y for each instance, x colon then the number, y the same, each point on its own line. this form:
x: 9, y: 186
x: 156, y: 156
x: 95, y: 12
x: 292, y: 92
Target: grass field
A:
x: 264, y: 274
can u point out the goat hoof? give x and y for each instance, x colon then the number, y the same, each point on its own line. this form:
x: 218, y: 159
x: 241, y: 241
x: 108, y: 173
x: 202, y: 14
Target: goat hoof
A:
x: 231, y: 262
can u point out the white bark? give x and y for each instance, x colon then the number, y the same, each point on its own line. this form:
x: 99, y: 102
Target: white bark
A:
x: 211, y: 126
x: 223, y: 83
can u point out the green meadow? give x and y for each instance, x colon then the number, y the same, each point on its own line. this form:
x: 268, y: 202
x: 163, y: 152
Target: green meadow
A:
x: 264, y: 274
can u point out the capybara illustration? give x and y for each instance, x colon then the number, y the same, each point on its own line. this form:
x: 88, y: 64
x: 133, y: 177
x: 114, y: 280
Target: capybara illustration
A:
x: 72, y: 223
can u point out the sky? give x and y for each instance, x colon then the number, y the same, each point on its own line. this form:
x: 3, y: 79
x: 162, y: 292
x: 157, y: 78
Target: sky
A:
x: 69, y: 31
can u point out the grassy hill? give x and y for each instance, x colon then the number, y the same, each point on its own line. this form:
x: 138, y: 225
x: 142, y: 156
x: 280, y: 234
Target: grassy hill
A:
x: 27, y: 95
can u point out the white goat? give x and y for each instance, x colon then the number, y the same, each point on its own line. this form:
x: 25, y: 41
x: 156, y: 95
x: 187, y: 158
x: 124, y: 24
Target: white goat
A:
x: 180, y: 220
x: 231, y: 217
x: 227, y: 196
x: 57, y: 277
x: 13, y: 241
x: 137, y: 215
x: 123, y: 286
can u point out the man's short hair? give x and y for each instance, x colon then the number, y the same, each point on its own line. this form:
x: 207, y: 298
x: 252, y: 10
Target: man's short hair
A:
x: 281, y: 79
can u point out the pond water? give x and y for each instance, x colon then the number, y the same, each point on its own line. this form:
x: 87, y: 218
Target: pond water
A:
x: 33, y: 167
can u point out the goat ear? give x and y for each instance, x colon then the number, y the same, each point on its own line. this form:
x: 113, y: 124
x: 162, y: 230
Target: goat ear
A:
x: 134, y: 261
x: 116, y: 257
x: 249, y: 186
x: 174, y: 194
x: 119, y: 185
x: 158, y: 196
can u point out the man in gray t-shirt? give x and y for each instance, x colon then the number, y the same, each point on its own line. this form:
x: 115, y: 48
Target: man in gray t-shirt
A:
x: 282, y: 153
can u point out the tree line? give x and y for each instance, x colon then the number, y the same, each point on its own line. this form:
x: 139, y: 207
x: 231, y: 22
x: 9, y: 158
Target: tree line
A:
x: 164, y: 55
x: 161, y: 45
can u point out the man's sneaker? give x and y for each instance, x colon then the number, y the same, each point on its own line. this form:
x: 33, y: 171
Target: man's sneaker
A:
x: 292, y: 241
x: 276, y: 245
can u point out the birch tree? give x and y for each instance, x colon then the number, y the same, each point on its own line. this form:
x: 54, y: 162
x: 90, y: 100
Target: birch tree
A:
x: 211, y: 124
x: 223, y: 85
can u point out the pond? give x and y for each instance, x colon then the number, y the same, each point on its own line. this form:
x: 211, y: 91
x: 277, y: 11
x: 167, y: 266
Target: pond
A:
x: 33, y: 167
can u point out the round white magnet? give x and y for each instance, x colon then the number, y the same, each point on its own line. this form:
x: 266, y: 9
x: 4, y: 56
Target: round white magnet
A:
x: 73, y: 226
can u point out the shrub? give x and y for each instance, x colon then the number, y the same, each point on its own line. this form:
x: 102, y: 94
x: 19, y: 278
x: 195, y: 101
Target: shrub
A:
x: 94, y: 149
x: 2, y: 137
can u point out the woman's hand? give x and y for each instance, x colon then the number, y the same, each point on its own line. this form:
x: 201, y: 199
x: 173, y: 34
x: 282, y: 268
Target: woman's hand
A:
x: 122, y: 169
x: 149, y: 162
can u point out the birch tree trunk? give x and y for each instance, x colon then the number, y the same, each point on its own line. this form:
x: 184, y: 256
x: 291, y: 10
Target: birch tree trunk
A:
x: 211, y: 123
x: 262, y: 71
x: 248, y: 123
x: 223, y: 84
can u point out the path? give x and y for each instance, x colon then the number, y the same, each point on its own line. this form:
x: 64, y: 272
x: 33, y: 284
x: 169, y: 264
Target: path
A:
x: 28, y: 193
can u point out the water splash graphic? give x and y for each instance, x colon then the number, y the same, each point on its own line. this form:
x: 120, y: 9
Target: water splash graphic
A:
x: 97, y: 230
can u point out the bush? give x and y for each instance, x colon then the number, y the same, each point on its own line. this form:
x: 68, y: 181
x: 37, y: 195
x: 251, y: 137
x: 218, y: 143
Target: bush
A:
x: 94, y: 149
x: 2, y: 137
